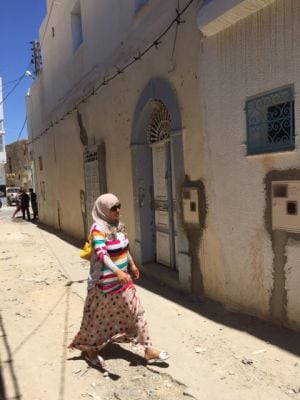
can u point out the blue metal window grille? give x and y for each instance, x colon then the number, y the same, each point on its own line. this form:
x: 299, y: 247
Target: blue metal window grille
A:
x: 270, y: 122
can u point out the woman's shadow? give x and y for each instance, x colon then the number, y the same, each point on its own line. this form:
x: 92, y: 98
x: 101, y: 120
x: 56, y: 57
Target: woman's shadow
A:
x: 114, y: 351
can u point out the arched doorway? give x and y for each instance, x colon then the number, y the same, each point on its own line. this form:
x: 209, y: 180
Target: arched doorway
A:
x: 158, y: 174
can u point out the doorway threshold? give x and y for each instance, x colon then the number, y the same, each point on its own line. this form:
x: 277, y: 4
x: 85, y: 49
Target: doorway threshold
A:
x: 162, y: 274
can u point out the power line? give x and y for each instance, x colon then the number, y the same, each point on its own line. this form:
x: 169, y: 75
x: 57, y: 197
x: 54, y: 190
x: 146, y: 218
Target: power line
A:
x: 21, y: 130
x: 10, y: 82
x: 18, y: 81
x: 13, y: 89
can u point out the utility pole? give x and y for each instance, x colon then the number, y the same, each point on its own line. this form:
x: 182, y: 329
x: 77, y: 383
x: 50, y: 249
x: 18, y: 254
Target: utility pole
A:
x: 36, y: 58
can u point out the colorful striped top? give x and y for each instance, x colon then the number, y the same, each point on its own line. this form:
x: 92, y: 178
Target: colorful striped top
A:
x: 117, y: 249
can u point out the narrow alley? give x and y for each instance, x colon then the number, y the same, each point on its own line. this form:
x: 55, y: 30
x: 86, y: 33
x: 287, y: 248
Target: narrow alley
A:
x: 215, y: 355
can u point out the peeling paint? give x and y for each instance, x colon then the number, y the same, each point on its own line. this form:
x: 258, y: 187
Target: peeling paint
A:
x: 257, y: 263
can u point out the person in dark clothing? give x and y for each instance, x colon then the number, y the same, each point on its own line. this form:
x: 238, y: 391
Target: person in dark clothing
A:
x: 25, y: 204
x: 34, y: 205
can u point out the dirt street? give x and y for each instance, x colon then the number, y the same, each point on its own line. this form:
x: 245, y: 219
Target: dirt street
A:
x: 214, y: 354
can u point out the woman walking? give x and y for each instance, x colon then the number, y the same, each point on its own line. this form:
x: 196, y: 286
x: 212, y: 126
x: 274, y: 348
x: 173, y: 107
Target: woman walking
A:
x: 18, y: 203
x: 112, y: 310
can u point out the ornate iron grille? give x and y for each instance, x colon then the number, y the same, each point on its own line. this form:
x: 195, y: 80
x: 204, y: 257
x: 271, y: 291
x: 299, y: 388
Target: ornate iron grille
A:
x: 160, y: 123
x: 270, y: 122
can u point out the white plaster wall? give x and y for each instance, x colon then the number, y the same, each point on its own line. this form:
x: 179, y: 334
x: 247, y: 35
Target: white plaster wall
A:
x: 2, y: 133
x: 112, y: 34
x: 1, y: 100
x: 111, y: 37
x: 257, y: 54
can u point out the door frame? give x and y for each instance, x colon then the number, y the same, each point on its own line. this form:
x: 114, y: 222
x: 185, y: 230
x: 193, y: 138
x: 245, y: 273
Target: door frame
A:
x: 166, y: 145
x: 158, y: 89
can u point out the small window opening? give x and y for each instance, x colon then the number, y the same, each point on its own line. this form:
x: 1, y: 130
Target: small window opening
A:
x: 193, y: 207
x: 292, y: 208
x: 280, y: 191
x: 40, y: 163
x: 76, y: 27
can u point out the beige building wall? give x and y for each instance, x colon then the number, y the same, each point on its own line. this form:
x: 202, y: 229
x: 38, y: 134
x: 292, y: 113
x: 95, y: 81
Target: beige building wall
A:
x: 252, y: 267
x: 204, y: 70
x: 18, y: 168
x: 58, y: 131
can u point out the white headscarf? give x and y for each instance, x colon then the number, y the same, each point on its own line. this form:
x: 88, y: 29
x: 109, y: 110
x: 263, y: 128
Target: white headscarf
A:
x: 100, y: 214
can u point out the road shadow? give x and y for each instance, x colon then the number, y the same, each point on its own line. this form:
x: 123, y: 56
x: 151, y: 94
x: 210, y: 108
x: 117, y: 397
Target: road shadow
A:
x: 282, y: 337
x: 113, y: 351
x: 279, y: 336
x: 63, y: 236
x: 2, y: 385
x: 10, y: 368
x: 99, y: 368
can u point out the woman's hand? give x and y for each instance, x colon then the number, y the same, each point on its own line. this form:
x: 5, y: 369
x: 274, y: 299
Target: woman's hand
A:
x: 134, y: 271
x: 122, y: 277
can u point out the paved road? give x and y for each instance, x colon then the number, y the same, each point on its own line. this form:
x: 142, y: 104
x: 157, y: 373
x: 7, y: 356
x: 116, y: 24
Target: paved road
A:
x: 215, y: 355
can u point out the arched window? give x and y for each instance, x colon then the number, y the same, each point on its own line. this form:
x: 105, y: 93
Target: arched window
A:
x: 160, y: 123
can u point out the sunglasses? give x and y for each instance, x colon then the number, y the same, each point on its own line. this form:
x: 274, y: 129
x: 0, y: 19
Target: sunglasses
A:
x: 116, y: 207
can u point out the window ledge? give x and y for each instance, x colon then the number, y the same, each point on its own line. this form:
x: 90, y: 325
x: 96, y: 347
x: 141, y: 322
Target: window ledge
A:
x: 215, y: 15
x: 278, y: 153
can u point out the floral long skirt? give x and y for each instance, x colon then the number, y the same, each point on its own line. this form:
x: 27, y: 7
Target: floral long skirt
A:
x: 113, y: 317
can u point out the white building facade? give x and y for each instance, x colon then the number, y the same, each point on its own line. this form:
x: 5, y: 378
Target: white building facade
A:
x: 175, y: 106
x: 2, y: 143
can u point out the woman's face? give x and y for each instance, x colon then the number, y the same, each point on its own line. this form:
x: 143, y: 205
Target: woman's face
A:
x: 114, y: 212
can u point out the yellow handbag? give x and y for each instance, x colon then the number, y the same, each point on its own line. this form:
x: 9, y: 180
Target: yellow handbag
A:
x: 86, y: 251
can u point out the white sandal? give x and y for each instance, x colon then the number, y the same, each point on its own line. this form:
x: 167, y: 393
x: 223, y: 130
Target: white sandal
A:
x: 162, y: 357
x: 98, y: 361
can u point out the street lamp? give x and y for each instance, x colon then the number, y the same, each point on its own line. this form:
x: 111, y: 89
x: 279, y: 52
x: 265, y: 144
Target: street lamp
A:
x: 29, y: 74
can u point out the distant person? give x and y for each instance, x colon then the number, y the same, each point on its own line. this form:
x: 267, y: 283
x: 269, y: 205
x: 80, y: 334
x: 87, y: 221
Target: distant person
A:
x: 18, y: 203
x: 33, y: 201
x: 25, y: 204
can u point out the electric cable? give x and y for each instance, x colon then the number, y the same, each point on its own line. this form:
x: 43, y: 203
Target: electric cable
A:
x: 11, y: 82
x: 13, y: 89
x: 18, y: 81
x: 21, y: 130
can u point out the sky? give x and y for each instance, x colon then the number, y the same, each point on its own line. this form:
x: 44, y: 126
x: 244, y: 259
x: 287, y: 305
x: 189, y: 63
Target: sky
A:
x: 20, y: 21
